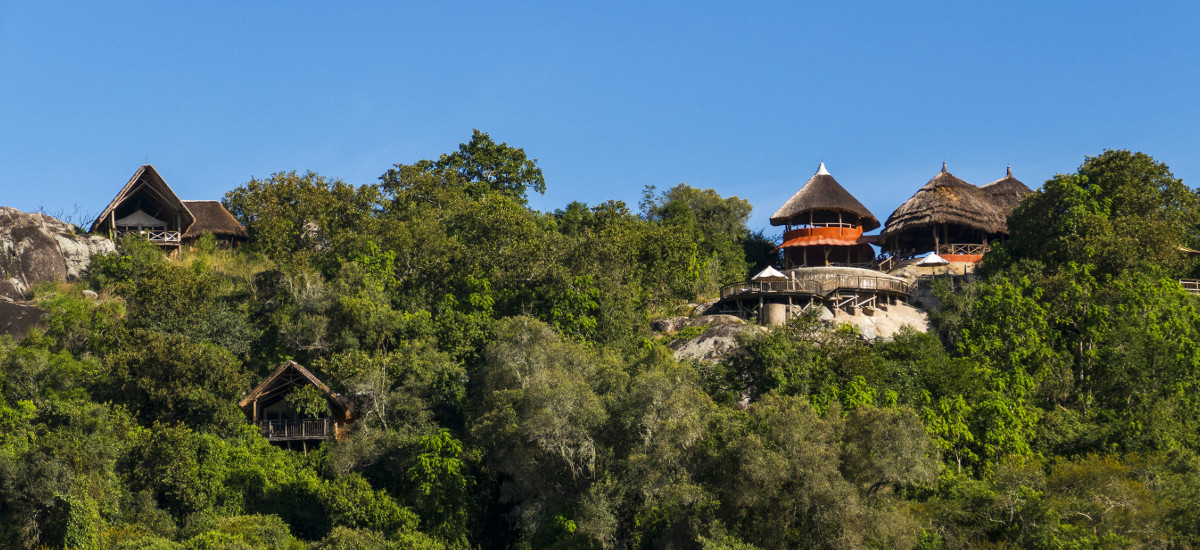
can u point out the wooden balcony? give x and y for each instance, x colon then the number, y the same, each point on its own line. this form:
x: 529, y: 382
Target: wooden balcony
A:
x: 154, y: 236
x: 296, y: 430
x: 1190, y: 285
x: 958, y: 249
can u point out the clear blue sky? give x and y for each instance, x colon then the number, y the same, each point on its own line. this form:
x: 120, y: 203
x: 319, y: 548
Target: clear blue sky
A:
x: 742, y: 97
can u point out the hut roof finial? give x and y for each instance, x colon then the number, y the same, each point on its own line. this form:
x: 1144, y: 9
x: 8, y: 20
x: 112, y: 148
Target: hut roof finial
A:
x: 943, y: 166
x: 1010, y: 171
x: 821, y: 171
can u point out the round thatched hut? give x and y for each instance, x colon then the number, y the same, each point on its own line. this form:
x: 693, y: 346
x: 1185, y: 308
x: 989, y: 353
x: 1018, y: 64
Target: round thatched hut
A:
x: 948, y: 216
x: 824, y: 225
x: 1007, y: 192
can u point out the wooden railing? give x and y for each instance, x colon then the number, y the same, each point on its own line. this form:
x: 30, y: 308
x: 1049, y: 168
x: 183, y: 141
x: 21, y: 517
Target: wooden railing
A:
x: 818, y: 286
x: 154, y: 236
x: 1190, y: 285
x: 801, y: 286
x: 958, y: 249
x: 276, y: 430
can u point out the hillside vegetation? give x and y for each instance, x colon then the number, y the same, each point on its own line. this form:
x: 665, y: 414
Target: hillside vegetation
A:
x: 510, y: 393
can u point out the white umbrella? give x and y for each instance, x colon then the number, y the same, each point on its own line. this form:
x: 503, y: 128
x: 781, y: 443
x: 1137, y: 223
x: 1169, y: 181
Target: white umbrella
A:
x: 932, y: 259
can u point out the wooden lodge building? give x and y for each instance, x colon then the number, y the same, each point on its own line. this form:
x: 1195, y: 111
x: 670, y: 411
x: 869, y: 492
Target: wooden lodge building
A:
x: 952, y: 218
x: 824, y: 225
x: 147, y: 206
x: 267, y: 407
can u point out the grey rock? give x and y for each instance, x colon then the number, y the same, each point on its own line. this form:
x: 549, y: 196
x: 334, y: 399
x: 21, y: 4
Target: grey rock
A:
x: 36, y: 247
x: 17, y: 318
x: 90, y: 294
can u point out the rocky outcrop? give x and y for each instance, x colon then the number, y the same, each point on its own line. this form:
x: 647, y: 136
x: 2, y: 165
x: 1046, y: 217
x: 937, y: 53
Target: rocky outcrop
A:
x: 713, y: 344
x: 37, y: 247
x: 16, y: 318
x: 718, y: 339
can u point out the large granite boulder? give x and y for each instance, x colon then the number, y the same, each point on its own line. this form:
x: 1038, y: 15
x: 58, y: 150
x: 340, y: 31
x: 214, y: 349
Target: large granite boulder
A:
x: 37, y: 247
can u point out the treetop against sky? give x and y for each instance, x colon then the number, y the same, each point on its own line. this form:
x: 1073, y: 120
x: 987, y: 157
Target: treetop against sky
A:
x: 609, y: 98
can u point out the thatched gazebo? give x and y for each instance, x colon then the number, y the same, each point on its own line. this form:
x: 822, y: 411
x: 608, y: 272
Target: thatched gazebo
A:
x: 948, y: 216
x: 824, y: 225
x: 1007, y: 192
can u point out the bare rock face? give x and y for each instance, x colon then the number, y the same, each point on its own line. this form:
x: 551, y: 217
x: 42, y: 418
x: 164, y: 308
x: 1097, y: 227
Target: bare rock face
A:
x: 37, y: 247
x: 883, y: 325
x: 674, y: 324
x: 17, y: 318
x: 718, y: 341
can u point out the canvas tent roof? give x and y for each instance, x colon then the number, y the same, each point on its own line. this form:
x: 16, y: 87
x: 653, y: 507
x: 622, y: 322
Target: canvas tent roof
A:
x: 822, y: 192
x: 140, y: 219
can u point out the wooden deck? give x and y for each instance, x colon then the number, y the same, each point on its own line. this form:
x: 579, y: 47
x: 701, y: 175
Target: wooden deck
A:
x: 817, y: 287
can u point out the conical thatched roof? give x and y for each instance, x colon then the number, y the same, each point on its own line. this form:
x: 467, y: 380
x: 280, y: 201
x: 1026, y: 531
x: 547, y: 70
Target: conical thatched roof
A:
x: 946, y: 200
x: 1007, y: 192
x: 822, y: 192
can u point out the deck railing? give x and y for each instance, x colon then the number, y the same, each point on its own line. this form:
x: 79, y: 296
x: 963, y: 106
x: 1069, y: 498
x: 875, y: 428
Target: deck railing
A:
x: 1190, y: 285
x: 818, y: 286
x: 960, y: 249
x: 276, y: 430
x: 154, y: 236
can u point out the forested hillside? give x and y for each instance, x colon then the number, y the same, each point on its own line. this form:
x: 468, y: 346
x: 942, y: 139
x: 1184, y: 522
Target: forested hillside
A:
x: 510, y: 393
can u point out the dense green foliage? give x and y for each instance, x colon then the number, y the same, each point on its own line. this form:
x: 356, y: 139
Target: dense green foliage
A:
x: 509, y: 393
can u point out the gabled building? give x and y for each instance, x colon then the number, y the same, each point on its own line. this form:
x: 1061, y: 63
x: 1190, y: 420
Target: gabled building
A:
x: 824, y: 225
x: 267, y: 407
x: 147, y: 206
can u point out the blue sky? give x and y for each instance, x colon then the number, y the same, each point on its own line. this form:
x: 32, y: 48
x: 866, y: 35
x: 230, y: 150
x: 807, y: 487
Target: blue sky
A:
x: 745, y: 98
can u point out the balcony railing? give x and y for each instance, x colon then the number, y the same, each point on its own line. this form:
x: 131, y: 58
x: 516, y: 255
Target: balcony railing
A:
x: 282, y: 430
x: 153, y: 235
x: 974, y: 249
x: 818, y: 286
x: 1190, y: 285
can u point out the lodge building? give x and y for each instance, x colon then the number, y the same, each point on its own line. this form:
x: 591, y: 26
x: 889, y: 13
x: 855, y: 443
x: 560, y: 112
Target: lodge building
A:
x: 827, y: 258
x: 147, y: 206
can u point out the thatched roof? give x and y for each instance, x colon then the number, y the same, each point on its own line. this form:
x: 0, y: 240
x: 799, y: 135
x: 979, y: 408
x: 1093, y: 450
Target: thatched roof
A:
x: 147, y: 180
x: 822, y: 192
x: 1007, y: 192
x: 212, y: 217
x: 946, y: 200
x: 287, y: 376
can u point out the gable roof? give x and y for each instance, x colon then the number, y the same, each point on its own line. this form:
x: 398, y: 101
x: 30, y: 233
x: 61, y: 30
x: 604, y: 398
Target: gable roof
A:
x: 822, y: 192
x: 212, y: 217
x: 1007, y: 192
x: 289, y: 365
x: 146, y: 177
x: 946, y: 200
